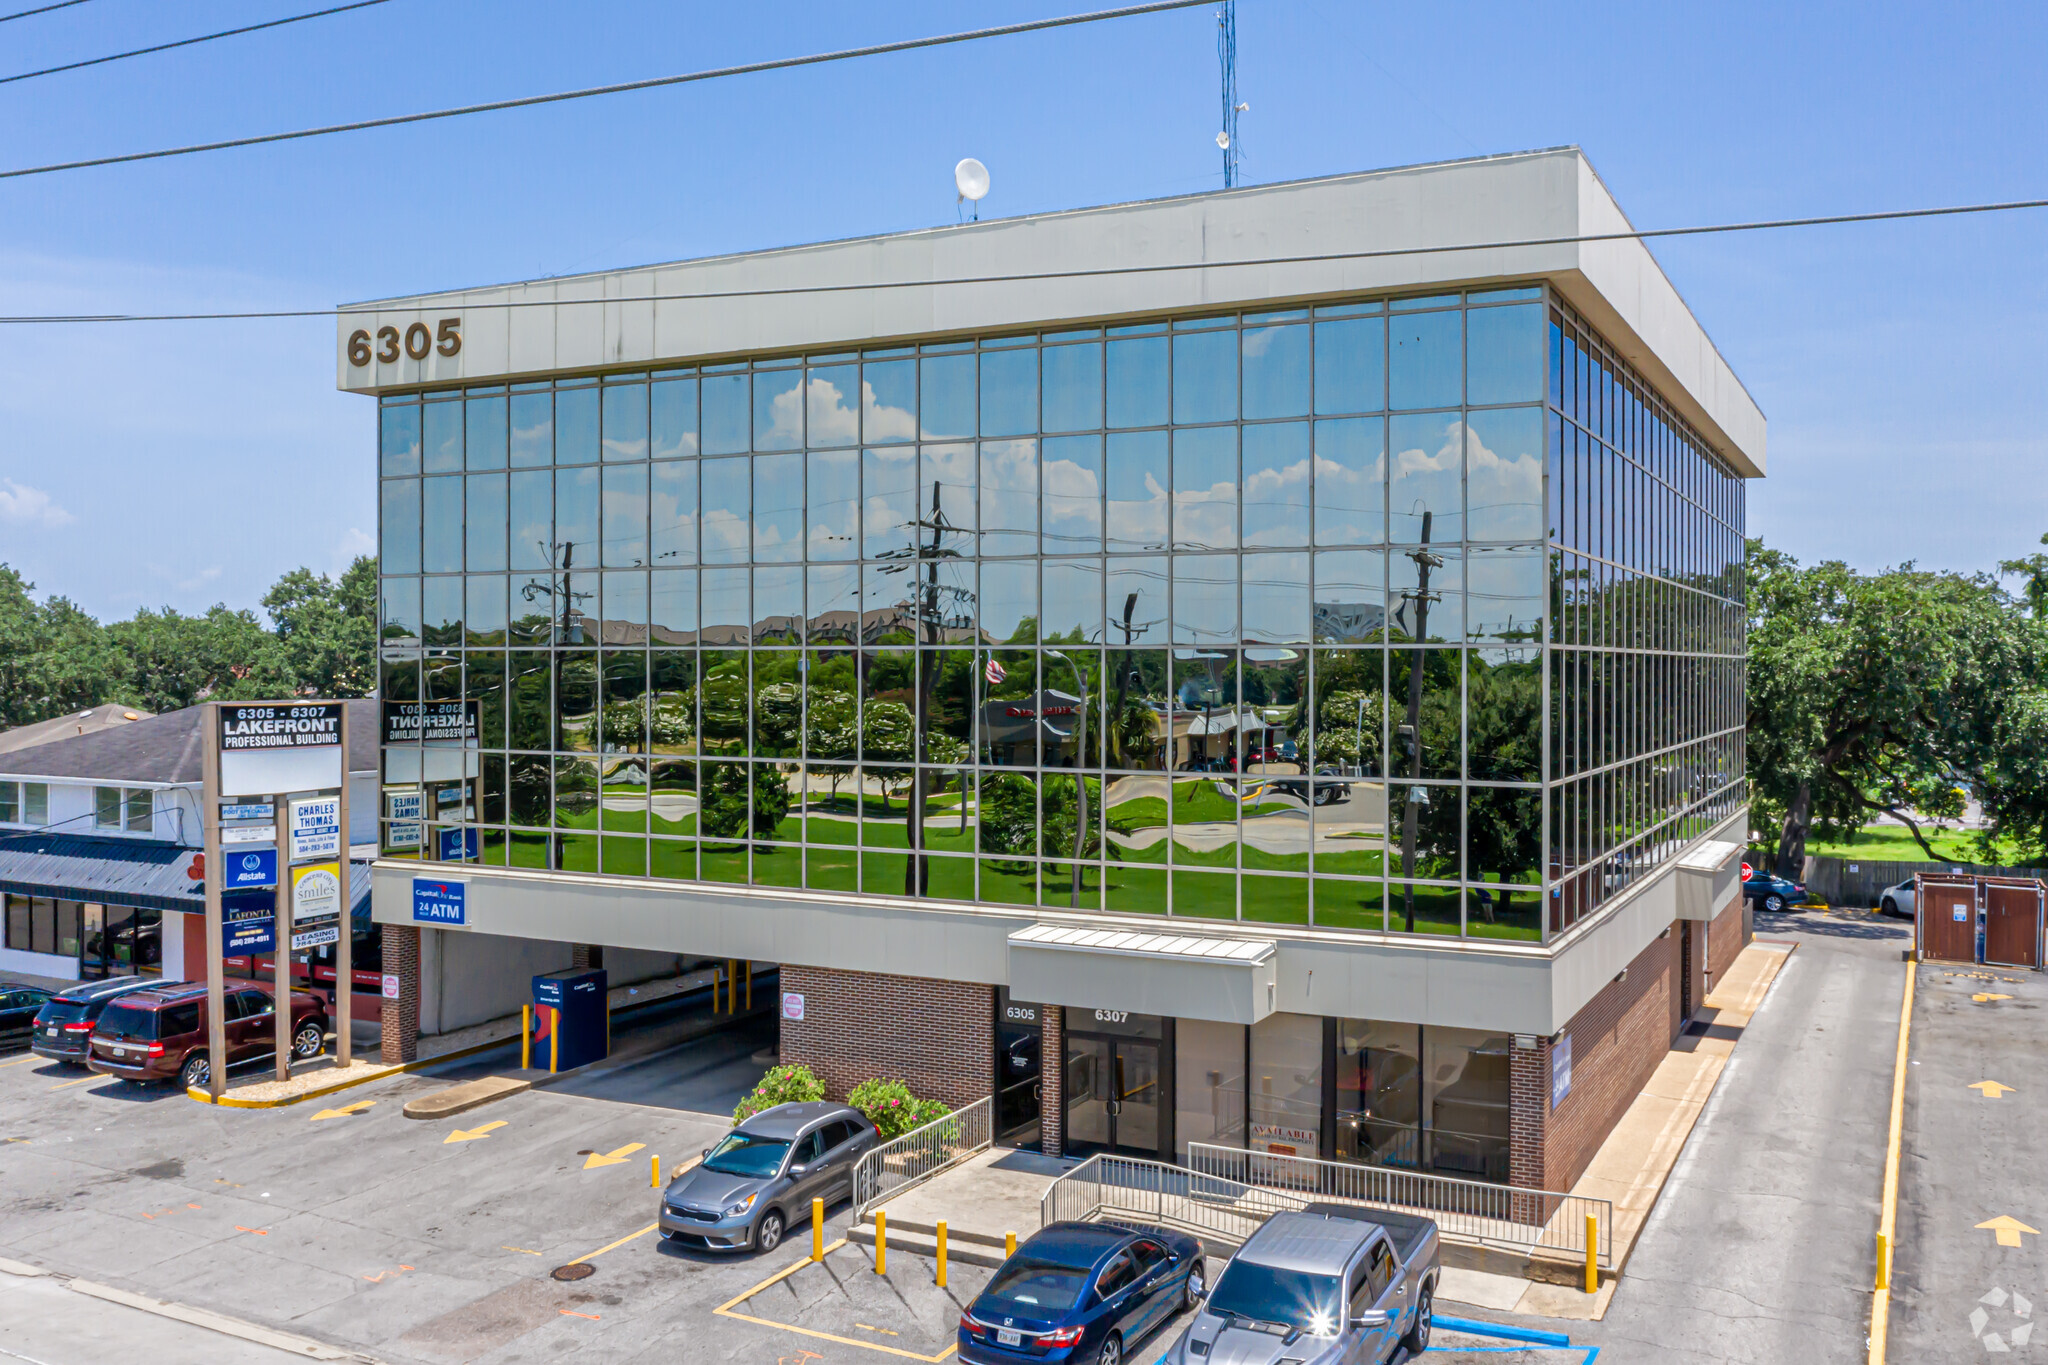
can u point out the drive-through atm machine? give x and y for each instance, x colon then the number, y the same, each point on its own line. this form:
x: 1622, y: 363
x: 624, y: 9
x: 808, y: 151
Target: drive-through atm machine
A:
x: 571, y: 1026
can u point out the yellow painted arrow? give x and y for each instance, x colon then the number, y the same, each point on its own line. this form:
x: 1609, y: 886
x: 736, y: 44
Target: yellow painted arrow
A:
x: 1987, y: 996
x: 358, y: 1107
x: 472, y: 1134
x: 613, y: 1157
x: 2008, y: 1229
x: 1990, y: 1089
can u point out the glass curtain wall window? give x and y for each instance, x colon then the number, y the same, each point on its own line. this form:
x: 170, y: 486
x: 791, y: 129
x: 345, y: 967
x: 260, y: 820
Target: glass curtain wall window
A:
x: 1247, y: 617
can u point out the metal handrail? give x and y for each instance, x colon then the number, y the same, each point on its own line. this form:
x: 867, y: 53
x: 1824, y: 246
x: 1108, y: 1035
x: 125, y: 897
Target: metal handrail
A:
x: 1120, y: 1188
x: 922, y: 1153
x: 1510, y: 1216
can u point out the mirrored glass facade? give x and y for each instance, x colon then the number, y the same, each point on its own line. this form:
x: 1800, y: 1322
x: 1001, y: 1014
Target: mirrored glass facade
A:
x: 1407, y: 615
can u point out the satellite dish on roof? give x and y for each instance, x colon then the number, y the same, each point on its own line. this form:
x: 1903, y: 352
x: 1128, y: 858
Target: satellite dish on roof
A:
x: 970, y: 177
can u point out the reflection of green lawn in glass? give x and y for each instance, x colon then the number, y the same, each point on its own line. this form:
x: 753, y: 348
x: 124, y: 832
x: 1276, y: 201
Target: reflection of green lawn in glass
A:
x: 625, y: 821
x: 625, y: 857
x: 579, y: 852
x: 494, y: 849
x: 829, y: 869
x: 1363, y: 863
x: 1276, y: 900
x: 1204, y: 895
x: 776, y: 865
x: 685, y: 826
x: 1195, y: 802
x: 1258, y: 860
x: 675, y: 859
x: 1008, y: 883
x: 1056, y: 887
x: 1136, y: 890
x: 1436, y: 910
x: 529, y: 850
x: 724, y: 862
x: 1347, y: 905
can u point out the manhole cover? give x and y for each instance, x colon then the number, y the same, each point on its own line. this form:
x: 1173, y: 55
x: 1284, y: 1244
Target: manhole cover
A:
x: 575, y: 1270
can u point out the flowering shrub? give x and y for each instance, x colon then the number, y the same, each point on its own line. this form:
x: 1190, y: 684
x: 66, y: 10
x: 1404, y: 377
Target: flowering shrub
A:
x: 790, y: 1084
x: 891, y: 1107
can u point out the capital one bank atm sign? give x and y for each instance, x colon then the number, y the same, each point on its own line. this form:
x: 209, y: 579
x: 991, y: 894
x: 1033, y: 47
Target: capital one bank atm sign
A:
x: 440, y: 902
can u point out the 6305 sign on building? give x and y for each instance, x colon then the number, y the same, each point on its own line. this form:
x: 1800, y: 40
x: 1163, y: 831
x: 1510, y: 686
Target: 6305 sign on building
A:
x: 415, y: 341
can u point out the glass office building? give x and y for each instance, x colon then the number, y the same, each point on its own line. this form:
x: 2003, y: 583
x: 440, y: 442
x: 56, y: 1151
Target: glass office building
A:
x: 1297, y: 617
x: 1228, y: 669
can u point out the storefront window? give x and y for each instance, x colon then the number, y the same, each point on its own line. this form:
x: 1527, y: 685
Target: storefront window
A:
x: 1208, y: 1084
x: 1417, y: 1098
x: 1286, y: 1101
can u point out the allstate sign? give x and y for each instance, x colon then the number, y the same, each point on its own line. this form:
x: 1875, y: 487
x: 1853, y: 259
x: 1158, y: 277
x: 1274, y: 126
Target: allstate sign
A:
x: 256, y: 867
x: 439, y: 902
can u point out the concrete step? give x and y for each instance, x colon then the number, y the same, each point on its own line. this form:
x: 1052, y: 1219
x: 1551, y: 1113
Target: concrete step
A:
x: 460, y: 1099
x: 953, y: 1233
x: 978, y: 1251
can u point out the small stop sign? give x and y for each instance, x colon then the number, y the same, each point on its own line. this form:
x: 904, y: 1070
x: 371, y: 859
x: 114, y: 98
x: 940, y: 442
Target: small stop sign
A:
x: 1747, y: 873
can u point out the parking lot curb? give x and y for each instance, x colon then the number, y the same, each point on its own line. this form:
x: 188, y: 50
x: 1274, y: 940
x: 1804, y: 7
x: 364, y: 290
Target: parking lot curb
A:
x: 230, y: 1102
x: 195, y: 1317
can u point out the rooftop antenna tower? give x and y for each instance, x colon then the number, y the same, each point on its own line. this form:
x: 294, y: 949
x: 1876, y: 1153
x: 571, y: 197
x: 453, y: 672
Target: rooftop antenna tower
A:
x: 1226, y: 57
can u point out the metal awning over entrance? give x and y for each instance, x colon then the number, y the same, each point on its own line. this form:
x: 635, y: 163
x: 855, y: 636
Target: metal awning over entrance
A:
x: 1229, y: 980
x: 138, y: 874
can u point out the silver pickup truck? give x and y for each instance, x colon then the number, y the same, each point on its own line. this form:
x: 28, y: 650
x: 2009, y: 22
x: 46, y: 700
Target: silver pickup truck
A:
x: 1330, y: 1283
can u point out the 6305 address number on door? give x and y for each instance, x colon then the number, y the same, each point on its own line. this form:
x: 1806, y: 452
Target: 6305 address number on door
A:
x: 415, y: 342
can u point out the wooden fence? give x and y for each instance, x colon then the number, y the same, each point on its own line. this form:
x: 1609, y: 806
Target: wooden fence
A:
x: 1856, y: 881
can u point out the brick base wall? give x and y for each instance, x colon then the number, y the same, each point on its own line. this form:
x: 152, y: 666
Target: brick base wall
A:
x: 938, y: 1037
x: 1618, y: 1039
x: 1727, y: 936
x: 1052, y: 1072
x: 401, y: 1017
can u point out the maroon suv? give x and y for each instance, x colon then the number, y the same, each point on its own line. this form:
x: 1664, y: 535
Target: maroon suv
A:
x: 158, y: 1035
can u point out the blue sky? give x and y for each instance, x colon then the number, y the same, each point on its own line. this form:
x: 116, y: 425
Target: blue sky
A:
x: 184, y: 464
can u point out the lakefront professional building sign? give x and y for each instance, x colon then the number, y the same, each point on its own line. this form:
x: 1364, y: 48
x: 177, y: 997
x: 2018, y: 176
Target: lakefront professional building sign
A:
x: 1292, y: 681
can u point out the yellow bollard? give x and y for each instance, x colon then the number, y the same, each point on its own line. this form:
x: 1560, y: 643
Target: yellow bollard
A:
x: 654, y: 1173
x: 1592, y: 1254
x: 817, y: 1229
x: 1009, y: 1244
x: 554, y: 1039
x: 1884, y: 1263
x: 525, y: 1037
x: 881, y: 1242
x: 942, y: 1253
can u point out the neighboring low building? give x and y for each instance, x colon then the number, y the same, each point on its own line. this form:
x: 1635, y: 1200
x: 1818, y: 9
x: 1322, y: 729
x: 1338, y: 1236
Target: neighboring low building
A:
x: 1465, y: 521
x: 89, y: 721
x: 97, y: 836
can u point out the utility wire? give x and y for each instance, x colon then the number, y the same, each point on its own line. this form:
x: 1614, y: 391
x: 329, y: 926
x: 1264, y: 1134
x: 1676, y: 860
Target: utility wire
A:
x: 747, y: 68
x: 188, y: 42
x: 40, y: 9
x: 449, y: 300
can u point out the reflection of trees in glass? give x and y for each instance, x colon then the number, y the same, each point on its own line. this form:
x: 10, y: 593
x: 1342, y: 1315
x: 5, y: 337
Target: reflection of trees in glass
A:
x: 778, y: 718
x: 1008, y: 818
x: 724, y: 693
x: 888, y: 744
x: 1503, y: 713
x: 724, y: 813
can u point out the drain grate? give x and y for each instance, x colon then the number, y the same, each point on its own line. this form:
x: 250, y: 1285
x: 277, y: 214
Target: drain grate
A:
x: 575, y: 1270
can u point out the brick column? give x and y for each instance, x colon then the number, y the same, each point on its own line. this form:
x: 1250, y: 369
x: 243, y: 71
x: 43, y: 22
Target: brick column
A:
x: 586, y: 957
x: 1528, y: 1125
x: 937, y: 1037
x: 1052, y: 1078
x: 402, y: 1016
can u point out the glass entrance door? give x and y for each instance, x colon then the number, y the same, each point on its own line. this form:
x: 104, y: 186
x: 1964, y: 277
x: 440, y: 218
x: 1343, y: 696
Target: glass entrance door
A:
x: 1113, y: 1095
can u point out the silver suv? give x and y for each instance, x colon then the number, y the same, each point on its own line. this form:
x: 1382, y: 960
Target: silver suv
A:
x: 763, y: 1175
x: 1330, y: 1283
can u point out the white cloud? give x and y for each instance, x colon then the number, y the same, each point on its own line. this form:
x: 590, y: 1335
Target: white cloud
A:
x: 20, y: 503
x: 354, y: 542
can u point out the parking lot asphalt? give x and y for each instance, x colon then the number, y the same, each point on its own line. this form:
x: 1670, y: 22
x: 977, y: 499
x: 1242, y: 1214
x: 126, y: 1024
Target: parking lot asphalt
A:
x: 1975, y: 1152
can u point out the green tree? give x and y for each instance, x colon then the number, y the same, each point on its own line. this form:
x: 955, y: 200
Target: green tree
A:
x: 327, y: 629
x: 726, y: 812
x: 53, y: 657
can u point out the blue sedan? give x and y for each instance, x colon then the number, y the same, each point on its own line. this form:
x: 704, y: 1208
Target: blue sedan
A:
x: 1771, y: 893
x: 1081, y: 1292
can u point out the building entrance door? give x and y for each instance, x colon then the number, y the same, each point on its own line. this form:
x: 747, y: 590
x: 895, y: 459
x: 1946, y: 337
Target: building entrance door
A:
x: 1113, y: 1095
x: 1018, y: 1066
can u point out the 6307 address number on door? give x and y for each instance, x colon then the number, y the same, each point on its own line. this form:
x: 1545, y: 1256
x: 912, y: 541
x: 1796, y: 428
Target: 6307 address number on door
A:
x: 415, y: 342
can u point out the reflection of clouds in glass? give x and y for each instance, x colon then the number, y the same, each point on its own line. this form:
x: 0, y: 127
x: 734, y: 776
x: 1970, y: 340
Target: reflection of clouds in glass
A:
x: 1350, y: 481
x: 785, y: 428
x: 1206, y: 518
x: 833, y: 419
x: 1073, y: 505
x: 890, y: 499
x: 1504, y: 475
x: 1009, y: 492
x: 1139, y: 520
x: 1505, y: 594
x: 834, y: 503
x: 1426, y: 473
x: 951, y: 468
x: 886, y: 423
x: 1276, y: 503
x: 725, y: 536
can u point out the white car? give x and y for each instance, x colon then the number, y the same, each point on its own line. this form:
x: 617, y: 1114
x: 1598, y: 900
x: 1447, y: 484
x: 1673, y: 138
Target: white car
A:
x: 1897, y: 900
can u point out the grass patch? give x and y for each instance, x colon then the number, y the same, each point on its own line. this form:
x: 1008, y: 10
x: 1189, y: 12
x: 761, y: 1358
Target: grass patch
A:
x: 1892, y: 844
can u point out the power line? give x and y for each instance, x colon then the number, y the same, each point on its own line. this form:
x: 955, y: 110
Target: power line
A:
x: 445, y: 301
x: 40, y: 9
x: 527, y: 101
x: 187, y: 42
